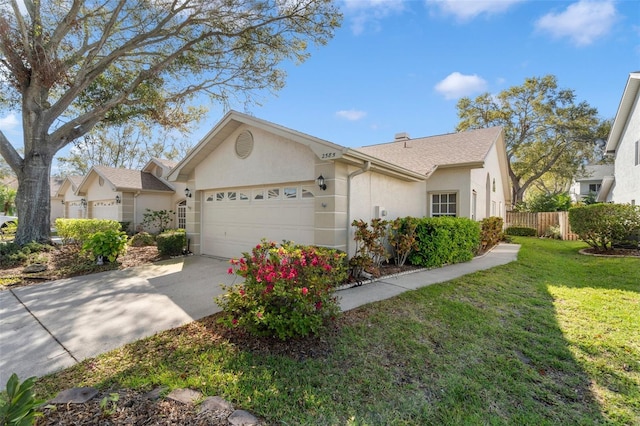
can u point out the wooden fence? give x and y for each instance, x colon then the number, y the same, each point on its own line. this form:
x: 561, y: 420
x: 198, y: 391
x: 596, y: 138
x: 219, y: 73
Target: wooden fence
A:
x: 542, y: 222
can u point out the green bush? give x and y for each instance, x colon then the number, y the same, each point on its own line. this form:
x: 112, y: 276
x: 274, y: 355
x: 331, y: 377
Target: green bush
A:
x: 157, y: 220
x: 106, y: 244
x: 142, y: 239
x: 445, y: 240
x: 12, y: 254
x: 521, y: 231
x: 79, y: 230
x: 491, y: 232
x: 549, y: 203
x: 172, y: 243
x: 602, y: 225
x: 288, y: 290
x: 18, y: 404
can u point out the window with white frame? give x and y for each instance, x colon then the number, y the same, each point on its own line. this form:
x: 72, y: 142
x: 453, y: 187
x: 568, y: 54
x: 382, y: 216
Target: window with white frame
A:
x: 444, y: 204
x: 594, y: 187
x: 637, y: 152
x: 182, y: 214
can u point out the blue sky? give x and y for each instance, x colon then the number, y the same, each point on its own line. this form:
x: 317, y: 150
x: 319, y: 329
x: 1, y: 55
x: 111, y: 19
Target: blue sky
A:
x: 401, y: 65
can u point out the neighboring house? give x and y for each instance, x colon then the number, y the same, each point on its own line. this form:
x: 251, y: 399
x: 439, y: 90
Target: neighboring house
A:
x: 123, y: 194
x: 624, y: 145
x: 590, y: 180
x: 57, y: 202
x: 249, y: 179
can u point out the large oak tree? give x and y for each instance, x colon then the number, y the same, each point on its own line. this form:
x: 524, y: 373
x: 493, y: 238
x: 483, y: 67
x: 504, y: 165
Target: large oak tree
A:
x: 546, y: 131
x: 68, y: 65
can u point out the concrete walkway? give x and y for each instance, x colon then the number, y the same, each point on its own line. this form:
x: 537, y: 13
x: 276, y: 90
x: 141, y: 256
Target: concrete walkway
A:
x: 51, y: 326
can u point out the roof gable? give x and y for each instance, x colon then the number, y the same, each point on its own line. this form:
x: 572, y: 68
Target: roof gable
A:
x: 125, y: 180
x: 629, y: 98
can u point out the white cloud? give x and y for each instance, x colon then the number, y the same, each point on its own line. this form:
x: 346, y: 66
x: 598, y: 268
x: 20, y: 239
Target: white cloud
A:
x: 369, y: 13
x: 9, y: 123
x: 466, y: 10
x: 582, y: 22
x: 351, y: 114
x: 457, y: 85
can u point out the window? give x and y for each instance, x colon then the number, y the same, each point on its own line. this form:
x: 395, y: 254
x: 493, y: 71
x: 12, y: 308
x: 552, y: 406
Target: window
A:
x: 209, y: 197
x: 182, y: 214
x: 273, y: 193
x: 444, y: 205
x: 637, y: 152
x: 231, y: 195
x: 219, y: 196
x: 242, y: 196
x: 307, y: 194
x: 594, y: 187
x: 290, y: 193
x: 258, y: 194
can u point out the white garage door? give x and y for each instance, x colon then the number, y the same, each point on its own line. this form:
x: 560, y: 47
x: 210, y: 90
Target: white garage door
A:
x: 235, y: 220
x: 104, y: 210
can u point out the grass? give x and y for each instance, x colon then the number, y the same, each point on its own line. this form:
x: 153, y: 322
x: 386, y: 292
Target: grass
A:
x: 551, y: 339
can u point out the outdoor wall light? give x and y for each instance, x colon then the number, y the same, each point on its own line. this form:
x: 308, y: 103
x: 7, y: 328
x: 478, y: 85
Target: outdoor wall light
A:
x: 187, y: 192
x: 83, y: 202
x: 62, y: 201
x: 118, y: 200
x: 320, y: 182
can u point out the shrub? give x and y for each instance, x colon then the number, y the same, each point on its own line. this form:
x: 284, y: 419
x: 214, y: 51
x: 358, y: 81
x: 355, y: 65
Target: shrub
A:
x: 521, y: 231
x: 445, y: 240
x: 491, y: 231
x: 602, y: 225
x: 142, y: 239
x: 287, y: 292
x: 158, y: 220
x: 79, y: 230
x: 106, y: 244
x: 172, y: 243
x: 554, y: 232
x: 549, y: 203
x: 402, y: 238
x: 18, y: 405
x: 370, y: 246
x: 12, y: 254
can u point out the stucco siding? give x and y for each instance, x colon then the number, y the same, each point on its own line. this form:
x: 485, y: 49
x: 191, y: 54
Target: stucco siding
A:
x: 272, y: 160
x: 451, y: 181
x: 151, y: 202
x: 627, y: 173
x: 491, y: 203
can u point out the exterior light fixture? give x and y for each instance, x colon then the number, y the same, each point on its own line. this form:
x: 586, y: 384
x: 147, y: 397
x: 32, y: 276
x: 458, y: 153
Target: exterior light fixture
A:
x: 187, y: 192
x: 83, y: 202
x: 62, y: 201
x: 118, y: 199
x: 320, y: 182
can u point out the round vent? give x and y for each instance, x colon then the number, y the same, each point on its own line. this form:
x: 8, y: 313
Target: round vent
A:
x: 244, y: 144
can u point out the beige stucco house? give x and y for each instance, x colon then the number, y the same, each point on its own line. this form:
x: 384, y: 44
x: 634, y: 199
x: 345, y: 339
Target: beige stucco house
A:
x: 624, y: 145
x: 124, y: 194
x: 249, y: 179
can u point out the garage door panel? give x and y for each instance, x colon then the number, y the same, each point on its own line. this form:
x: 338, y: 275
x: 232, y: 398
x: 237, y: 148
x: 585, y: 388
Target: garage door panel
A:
x: 231, y: 227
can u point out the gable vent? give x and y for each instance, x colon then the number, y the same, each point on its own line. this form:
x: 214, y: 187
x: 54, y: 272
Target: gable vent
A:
x: 244, y: 144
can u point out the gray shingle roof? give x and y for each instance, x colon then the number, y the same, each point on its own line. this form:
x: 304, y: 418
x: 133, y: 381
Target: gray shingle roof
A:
x: 124, y: 179
x: 424, y: 155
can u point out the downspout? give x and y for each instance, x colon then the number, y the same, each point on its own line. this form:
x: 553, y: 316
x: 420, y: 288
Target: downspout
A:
x: 364, y: 169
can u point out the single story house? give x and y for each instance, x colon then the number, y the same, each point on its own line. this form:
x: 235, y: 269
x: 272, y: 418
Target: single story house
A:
x: 249, y: 179
x: 590, y: 180
x: 124, y: 194
x: 624, y: 145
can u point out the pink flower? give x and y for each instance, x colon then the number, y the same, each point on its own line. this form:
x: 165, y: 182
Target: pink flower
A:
x: 234, y: 321
x: 305, y: 291
x: 241, y: 292
x: 230, y: 271
x: 318, y: 305
x: 258, y: 247
x: 259, y: 314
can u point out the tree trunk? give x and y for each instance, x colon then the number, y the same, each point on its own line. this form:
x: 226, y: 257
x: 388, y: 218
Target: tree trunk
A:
x: 33, y: 200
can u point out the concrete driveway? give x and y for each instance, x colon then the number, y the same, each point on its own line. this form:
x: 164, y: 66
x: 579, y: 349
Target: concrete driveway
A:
x: 50, y: 326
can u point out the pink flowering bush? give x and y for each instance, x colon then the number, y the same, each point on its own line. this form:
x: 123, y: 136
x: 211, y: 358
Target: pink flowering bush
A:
x: 287, y: 290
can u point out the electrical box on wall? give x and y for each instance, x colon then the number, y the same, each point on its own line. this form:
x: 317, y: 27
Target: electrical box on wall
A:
x: 380, y: 212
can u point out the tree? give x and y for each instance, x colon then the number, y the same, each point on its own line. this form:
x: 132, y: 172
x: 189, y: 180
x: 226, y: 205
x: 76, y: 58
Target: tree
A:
x: 70, y: 65
x: 546, y: 131
x: 129, y: 146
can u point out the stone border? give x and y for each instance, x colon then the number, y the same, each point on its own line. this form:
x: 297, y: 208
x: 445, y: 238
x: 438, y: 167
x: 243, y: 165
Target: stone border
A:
x: 585, y: 253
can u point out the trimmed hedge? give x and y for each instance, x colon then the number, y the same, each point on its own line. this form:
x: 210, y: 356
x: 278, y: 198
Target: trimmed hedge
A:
x: 445, y: 240
x: 602, y: 225
x: 79, y: 230
x: 521, y: 231
x: 172, y: 243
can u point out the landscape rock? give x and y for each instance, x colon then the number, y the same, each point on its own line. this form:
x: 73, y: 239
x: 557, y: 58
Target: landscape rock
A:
x: 35, y: 268
x: 242, y: 418
x: 214, y: 403
x: 185, y: 396
x: 75, y: 396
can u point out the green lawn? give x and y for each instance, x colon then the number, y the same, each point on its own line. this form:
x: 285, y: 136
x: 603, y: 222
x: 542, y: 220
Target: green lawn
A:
x: 551, y: 339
